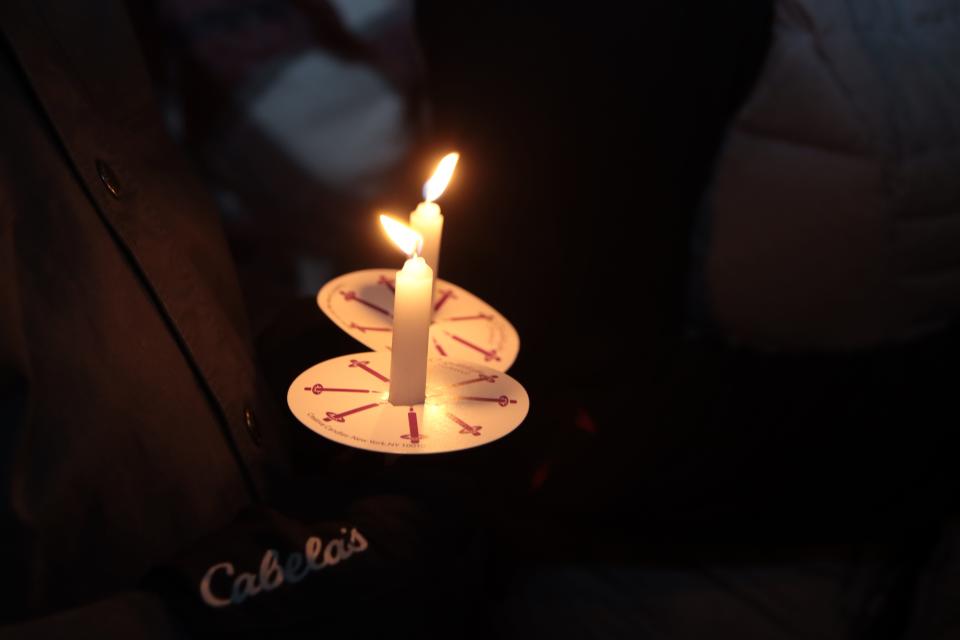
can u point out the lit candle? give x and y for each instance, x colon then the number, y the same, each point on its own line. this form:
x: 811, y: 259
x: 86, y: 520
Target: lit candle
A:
x: 412, y: 306
x: 427, y: 219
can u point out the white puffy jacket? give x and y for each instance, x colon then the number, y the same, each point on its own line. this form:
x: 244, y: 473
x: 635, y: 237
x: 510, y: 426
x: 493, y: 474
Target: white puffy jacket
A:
x: 835, y: 210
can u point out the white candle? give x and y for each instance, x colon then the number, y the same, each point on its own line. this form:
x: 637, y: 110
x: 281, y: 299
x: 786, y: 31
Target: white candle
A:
x: 427, y: 219
x: 412, y: 307
x: 428, y: 222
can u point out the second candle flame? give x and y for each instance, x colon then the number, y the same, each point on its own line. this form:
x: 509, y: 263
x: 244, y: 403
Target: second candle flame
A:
x: 409, y: 241
x: 437, y: 184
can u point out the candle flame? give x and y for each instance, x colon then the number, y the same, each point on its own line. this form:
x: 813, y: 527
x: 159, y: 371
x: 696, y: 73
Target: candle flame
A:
x: 409, y: 241
x: 437, y: 184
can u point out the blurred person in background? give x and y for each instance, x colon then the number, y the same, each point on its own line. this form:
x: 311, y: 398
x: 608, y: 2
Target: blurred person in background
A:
x: 302, y: 116
x: 739, y: 312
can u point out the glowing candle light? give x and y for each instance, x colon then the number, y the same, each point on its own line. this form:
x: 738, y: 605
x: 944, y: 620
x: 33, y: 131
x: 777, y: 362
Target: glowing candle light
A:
x: 412, y: 307
x: 427, y: 219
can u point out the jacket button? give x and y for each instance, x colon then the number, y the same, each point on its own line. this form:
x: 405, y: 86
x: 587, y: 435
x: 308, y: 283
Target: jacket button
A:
x: 250, y: 421
x: 108, y: 178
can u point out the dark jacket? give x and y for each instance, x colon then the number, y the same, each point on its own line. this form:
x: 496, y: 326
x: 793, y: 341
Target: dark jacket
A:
x: 139, y: 443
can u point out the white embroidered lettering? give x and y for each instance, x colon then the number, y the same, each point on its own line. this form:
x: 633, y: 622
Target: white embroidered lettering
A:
x: 346, y: 549
x: 333, y: 553
x: 313, y: 547
x: 205, y: 590
x: 295, y: 570
x: 272, y: 575
x: 243, y: 587
x: 357, y: 541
